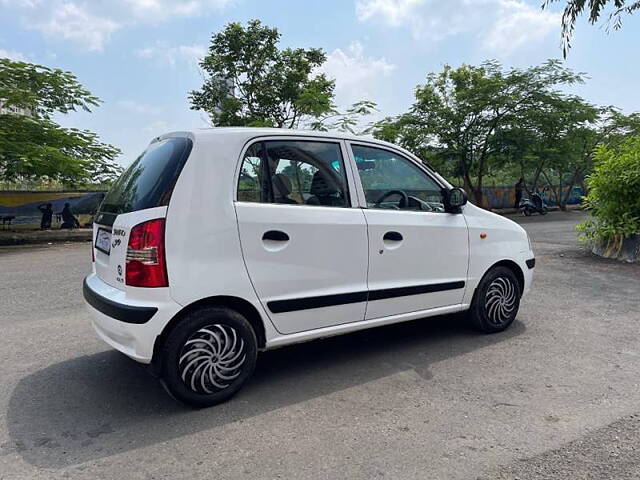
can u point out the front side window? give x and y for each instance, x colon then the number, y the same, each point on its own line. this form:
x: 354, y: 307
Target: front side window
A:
x: 391, y: 181
x: 295, y: 173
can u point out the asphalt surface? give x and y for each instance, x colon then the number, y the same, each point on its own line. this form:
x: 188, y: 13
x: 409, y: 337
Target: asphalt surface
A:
x: 555, y: 396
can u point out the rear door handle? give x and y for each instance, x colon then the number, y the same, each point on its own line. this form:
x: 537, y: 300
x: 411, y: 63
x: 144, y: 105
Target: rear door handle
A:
x: 276, y: 236
x: 392, y: 236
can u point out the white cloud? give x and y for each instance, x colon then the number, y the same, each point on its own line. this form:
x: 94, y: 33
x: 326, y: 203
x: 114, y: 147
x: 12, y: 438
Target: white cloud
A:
x: 395, y: 12
x: 12, y: 55
x: 502, y: 26
x: 74, y: 22
x: 170, y: 55
x: 22, y: 3
x: 162, y: 9
x: 356, y: 75
x: 518, y: 24
x: 90, y: 24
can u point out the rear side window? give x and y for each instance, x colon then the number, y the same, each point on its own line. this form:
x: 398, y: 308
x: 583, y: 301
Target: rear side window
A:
x: 149, y: 181
x: 294, y: 172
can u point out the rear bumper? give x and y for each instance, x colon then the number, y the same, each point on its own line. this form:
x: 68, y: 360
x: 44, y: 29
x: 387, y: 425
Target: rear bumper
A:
x: 130, y: 325
x: 118, y: 311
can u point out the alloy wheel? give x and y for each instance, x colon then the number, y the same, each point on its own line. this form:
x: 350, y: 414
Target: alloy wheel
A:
x: 500, y: 301
x: 212, y: 358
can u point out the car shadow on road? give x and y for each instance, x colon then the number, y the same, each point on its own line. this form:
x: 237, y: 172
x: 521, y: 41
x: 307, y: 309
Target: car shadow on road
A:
x: 99, y: 405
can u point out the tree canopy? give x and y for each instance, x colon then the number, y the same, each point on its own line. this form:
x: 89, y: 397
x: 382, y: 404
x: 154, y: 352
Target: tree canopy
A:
x: 477, y: 122
x: 250, y: 81
x: 468, y: 119
x: 595, y: 8
x: 32, y: 144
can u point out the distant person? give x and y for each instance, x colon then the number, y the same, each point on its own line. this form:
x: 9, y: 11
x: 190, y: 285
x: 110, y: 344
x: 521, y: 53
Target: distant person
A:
x: 68, y: 220
x: 519, y: 191
x: 47, y: 215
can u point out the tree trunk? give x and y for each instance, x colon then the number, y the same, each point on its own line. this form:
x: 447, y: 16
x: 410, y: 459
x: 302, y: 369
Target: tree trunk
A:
x: 478, y: 197
x: 566, y: 196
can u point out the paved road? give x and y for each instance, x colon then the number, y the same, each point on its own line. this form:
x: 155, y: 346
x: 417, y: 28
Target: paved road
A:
x: 556, y: 396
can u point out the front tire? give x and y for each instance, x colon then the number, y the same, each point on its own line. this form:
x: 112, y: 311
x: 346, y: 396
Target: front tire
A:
x: 209, y: 356
x: 496, y: 301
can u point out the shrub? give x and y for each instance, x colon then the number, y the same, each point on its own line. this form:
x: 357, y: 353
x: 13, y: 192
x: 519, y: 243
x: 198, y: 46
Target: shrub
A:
x: 614, y: 193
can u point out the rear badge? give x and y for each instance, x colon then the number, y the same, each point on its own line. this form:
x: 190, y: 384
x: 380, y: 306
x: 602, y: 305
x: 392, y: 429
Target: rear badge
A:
x: 119, y: 278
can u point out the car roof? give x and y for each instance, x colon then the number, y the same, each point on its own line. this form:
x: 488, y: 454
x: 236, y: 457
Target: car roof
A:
x: 244, y: 134
x: 251, y: 132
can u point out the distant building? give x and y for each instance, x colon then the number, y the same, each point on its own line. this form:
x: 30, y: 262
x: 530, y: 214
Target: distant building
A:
x: 12, y: 110
x: 228, y: 86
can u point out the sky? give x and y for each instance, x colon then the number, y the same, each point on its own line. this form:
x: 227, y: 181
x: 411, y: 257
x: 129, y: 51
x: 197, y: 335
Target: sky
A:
x: 141, y: 56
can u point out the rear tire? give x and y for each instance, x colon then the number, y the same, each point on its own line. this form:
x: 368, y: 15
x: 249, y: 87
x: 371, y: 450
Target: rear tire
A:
x: 209, y: 356
x: 496, y: 301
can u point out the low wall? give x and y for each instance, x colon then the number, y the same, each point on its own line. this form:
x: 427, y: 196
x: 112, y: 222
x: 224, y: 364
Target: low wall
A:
x: 23, y: 205
x: 505, y: 196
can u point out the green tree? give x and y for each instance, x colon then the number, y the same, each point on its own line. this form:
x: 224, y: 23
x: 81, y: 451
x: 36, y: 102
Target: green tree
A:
x: 553, y: 145
x: 595, y: 8
x: 251, y: 82
x: 32, y: 145
x: 461, y: 116
x: 583, y: 129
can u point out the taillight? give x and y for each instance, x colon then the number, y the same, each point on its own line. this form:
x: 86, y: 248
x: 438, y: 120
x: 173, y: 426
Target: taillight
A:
x: 146, y: 265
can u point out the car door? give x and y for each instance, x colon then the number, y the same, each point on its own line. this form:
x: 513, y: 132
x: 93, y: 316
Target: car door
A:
x: 418, y: 253
x: 304, y: 242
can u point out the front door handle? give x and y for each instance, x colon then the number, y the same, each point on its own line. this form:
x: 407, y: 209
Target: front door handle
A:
x: 276, y: 236
x: 392, y: 236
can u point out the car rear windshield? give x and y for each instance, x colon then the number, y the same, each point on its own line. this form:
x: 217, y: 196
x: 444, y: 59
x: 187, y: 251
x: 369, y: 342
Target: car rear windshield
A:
x: 149, y: 181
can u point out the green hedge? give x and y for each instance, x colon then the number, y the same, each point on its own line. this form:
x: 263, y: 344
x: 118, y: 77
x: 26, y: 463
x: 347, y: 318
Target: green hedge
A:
x: 614, y: 193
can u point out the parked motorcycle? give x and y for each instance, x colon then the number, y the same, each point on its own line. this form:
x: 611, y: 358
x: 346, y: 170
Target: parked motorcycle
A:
x: 533, y: 205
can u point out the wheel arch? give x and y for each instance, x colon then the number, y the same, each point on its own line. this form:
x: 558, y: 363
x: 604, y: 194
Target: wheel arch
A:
x: 238, y: 304
x: 514, y: 267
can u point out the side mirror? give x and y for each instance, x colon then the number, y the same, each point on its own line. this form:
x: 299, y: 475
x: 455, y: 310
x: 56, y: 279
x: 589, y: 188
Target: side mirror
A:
x: 454, y: 199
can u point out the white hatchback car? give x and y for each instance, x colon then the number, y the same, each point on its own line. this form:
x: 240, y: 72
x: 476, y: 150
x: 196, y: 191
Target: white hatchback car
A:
x: 215, y: 244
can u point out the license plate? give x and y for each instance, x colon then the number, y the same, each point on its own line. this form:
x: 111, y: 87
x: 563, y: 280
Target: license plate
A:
x: 103, y: 240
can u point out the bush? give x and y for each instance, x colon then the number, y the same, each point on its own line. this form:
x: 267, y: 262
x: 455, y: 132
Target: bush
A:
x: 614, y: 193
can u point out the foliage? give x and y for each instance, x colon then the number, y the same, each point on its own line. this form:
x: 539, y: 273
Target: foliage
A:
x: 347, y: 121
x: 614, y: 192
x: 462, y: 117
x: 574, y: 8
x: 251, y: 82
x: 32, y: 145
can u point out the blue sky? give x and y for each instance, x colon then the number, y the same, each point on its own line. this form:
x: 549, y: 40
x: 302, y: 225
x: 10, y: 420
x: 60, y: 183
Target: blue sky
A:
x: 140, y: 56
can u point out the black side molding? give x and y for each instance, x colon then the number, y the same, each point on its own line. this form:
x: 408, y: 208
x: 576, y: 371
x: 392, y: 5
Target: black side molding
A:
x: 531, y: 263
x: 414, y: 290
x: 307, y: 303
x: 295, y: 304
x: 124, y: 313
